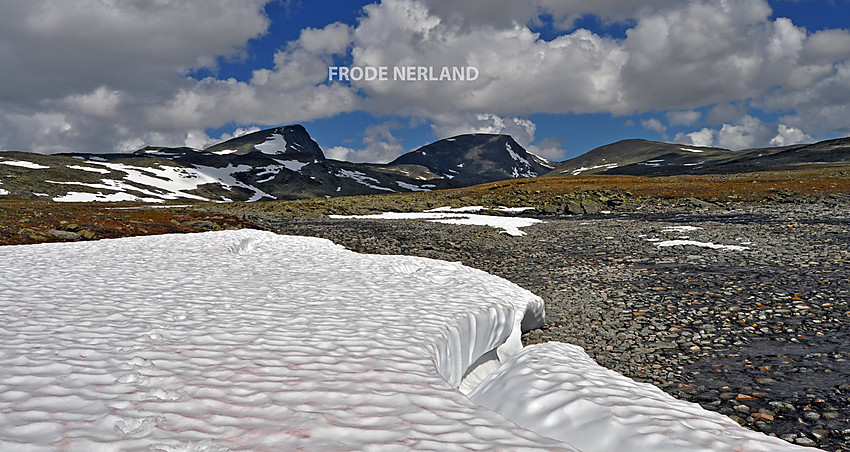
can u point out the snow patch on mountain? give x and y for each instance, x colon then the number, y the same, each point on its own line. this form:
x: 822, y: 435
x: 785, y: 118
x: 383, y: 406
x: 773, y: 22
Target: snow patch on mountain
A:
x: 89, y: 169
x: 363, y: 179
x: 275, y: 144
x: 292, y: 165
x: 411, y: 187
x: 516, y: 156
x: 23, y: 164
x: 225, y: 176
x: 158, y: 183
x: 583, y: 169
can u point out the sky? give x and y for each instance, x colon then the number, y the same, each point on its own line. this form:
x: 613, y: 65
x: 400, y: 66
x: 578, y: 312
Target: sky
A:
x: 561, y: 76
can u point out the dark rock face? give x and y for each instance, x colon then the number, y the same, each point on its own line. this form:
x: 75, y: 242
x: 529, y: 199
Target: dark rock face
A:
x: 477, y: 159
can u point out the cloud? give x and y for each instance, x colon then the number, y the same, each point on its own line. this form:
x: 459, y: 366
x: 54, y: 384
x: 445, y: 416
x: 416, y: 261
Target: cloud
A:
x: 747, y: 132
x: 551, y: 148
x: 704, y: 137
x: 83, y: 75
x: 379, y: 145
x: 507, y: 13
x: 654, y: 125
x: 522, y: 130
x: 787, y: 136
x: 448, y: 125
x: 683, y: 118
x: 519, y: 73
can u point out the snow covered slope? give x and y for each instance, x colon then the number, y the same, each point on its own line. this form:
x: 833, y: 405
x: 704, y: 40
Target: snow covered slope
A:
x: 247, y: 340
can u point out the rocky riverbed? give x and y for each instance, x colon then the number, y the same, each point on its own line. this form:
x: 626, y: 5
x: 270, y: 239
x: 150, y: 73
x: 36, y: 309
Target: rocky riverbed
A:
x: 756, y: 327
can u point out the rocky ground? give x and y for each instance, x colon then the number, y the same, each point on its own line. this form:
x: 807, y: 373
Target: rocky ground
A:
x: 760, y: 334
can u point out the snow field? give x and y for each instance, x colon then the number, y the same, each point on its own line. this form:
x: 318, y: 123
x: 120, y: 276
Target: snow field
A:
x: 247, y: 340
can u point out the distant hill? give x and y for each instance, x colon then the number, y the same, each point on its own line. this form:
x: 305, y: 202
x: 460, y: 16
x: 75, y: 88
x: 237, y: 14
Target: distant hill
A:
x: 652, y: 158
x: 477, y: 158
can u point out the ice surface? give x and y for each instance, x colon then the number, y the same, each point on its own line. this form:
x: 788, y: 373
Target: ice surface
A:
x: 691, y: 150
x: 560, y: 392
x: 3, y: 192
x: 247, y: 340
x: 508, y: 225
x: 23, y: 164
x: 275, y: 144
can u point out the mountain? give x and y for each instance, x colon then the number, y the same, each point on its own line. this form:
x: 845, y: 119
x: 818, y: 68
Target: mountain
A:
x: 477, y: 158
x: 279, y: 163
x: 292, y: 139
x: 652, y: 158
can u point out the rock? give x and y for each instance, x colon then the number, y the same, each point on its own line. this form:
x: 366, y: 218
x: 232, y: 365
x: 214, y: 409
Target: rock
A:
x: 803, y: 441
x: 205, y: 225
x: 811, y: 416
x: 763, y: 416
x: 590, y: 207
x: 573, y: 208
x: 64, y: 235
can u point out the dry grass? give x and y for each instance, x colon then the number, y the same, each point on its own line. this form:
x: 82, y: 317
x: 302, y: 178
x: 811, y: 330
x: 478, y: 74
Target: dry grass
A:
x: 23, y: 222
x: 751, y: 187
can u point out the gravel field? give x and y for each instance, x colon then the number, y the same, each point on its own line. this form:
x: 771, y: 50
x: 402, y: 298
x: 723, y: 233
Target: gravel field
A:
x: 758, y: 330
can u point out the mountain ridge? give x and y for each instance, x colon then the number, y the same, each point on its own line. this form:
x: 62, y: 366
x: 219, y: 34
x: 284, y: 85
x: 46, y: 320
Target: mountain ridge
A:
x: 280, y: 163
x: 638, y: 157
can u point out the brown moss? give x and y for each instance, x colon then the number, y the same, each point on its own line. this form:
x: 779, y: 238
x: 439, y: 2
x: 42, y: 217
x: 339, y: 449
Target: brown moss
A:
x: 23, y: 222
